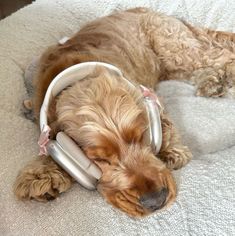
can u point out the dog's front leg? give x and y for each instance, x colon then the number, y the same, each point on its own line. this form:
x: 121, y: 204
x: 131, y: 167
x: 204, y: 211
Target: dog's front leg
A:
x: 41, y: 180
x: 172, y: 152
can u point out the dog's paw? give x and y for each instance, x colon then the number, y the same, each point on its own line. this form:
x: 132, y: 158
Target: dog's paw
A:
x: 42, y: 181
x: 212, y: 86
x: 27, y: 110
x: 210, y: 82
x: 176, y: 157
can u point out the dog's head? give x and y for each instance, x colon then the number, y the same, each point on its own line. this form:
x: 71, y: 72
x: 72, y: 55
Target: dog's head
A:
x: 107, y: 118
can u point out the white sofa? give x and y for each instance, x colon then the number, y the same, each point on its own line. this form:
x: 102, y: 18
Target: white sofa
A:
x: 206, y: 200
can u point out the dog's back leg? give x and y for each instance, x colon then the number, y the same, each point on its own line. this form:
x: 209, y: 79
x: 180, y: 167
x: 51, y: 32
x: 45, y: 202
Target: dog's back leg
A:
x: 190, y: 53
x: 216, y: 77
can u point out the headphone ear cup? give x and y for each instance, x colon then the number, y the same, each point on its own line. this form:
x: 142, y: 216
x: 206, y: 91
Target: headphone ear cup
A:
x: 77, y: 155
x: 153, y: 134
x: 65, y: 142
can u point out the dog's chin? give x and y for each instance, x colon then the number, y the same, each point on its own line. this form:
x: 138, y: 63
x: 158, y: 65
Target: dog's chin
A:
x: 142, y: 194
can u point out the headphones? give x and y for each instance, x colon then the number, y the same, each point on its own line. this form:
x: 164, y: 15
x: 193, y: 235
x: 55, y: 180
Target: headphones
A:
x: 64, y: 150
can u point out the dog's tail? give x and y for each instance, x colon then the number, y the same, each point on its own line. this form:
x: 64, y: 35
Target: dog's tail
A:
x: 225, y: 39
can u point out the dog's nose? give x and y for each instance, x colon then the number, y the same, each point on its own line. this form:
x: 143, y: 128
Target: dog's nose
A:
x: 154, y: 200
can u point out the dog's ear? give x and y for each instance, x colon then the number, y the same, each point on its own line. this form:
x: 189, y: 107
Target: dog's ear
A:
x: 105, y: 151
x: 134, y: 130
x: 104, y: 157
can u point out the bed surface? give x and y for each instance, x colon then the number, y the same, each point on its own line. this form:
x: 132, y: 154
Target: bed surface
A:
x: 206, y: 199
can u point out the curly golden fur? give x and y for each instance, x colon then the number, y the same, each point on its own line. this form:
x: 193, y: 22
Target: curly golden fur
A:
x: 107, y: 118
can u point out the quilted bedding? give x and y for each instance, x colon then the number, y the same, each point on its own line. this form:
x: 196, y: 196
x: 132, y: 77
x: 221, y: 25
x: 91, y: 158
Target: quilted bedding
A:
x: 206, y: 200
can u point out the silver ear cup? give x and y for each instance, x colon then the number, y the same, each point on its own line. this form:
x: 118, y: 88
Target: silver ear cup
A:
x: 71, y: 158
x: 154, y: 133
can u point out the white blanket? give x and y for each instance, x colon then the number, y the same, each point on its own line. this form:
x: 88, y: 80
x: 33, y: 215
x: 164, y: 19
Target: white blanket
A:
x: 206, y: 200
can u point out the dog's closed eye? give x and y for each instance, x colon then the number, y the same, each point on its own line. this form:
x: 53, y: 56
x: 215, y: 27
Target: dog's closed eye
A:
x: 100, y: 160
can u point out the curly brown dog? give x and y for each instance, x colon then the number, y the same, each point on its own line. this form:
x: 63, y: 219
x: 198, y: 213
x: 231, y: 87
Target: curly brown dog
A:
x: 107, y: 118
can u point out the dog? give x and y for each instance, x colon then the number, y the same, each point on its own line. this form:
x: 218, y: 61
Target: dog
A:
x: 107, y: 118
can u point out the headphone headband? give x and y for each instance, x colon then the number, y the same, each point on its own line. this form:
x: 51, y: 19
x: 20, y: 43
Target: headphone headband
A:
x: 66, y: 78
x: 78, y: 72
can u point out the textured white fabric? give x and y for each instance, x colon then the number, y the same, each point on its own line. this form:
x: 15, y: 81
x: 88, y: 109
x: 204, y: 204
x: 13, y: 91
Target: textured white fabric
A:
x: 206, y: 200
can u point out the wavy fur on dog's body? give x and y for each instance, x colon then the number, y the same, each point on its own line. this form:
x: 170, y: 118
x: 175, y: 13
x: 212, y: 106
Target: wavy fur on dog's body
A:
x: 107, y: 118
